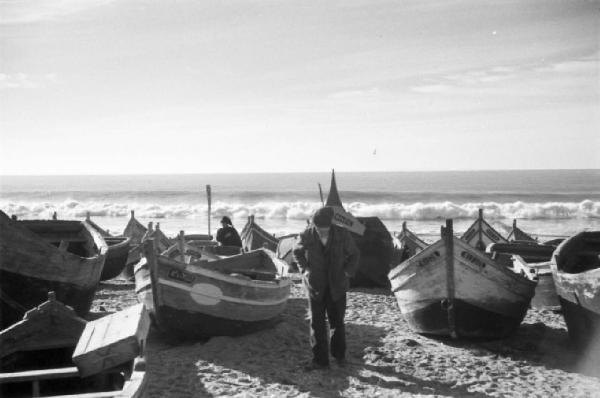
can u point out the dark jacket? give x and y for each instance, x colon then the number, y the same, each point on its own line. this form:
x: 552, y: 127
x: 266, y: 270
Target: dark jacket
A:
x: 228, y: 236
x: 326, y: 266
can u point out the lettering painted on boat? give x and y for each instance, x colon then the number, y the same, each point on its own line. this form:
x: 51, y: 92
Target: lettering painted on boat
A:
x: 206, y: 294
x: 180, y: 275
x: 469, y: 234
x: 429, y: 259
x: 472, y: 259
x: 493, y: 235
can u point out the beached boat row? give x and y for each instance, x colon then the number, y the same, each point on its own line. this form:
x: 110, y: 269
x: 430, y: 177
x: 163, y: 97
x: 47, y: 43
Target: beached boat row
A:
x: 482, y: 284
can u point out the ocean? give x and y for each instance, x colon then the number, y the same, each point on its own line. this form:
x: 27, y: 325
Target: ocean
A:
x: 545, y: 203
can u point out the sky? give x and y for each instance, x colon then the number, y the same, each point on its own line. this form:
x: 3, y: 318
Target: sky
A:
x: 128, y: 86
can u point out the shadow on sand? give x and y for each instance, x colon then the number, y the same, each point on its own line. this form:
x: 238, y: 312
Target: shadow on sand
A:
x: 537, y: 343
x: 278, y: 356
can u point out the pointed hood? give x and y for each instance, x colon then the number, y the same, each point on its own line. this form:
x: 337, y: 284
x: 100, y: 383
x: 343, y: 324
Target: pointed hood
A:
x: 333, y: 199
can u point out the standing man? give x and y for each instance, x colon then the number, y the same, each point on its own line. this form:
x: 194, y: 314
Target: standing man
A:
x: 327, y: 256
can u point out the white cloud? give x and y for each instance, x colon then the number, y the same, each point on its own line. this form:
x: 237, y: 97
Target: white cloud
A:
x: 27, y: 11
x: 26, y: 81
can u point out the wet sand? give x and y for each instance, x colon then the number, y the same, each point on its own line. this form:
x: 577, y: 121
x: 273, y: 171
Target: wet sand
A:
x: 385, y: 358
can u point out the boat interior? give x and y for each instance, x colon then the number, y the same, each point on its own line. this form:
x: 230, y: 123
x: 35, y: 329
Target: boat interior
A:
x: 580, y: 255
x: 69, y: 236
x: 45, y: 372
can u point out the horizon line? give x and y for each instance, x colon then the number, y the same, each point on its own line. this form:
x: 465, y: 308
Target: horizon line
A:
x: 293, y: 172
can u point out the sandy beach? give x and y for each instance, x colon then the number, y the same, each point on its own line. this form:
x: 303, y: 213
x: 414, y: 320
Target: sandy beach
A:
x: 385, y: 358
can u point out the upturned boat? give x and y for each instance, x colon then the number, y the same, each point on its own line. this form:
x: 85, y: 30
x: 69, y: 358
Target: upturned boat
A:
x: 451, y: 288
x: 48, y: 353
x: 193, y: 294
x: 374, y: 243
x: 38, y: 256
x: 576, y: 269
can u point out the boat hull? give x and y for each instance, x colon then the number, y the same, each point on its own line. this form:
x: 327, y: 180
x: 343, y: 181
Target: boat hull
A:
x: 576, y: 270
x: 478, y: 298
x: 471, y: 320
x: 193, y: 302
x: 116, y: 257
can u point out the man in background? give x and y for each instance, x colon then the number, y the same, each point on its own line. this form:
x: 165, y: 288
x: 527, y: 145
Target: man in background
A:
x: 227, y: 235
x: 327, y: 257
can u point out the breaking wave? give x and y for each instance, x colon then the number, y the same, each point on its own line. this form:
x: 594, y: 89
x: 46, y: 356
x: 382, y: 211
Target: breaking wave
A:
x: 300, y: 210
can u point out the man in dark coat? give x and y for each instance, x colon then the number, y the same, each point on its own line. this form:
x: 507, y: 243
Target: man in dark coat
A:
x: 327, y: 257
x: 228, y: 235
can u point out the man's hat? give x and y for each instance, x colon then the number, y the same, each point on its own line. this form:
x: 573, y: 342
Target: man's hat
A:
x: 226, y: 220
x: 323, y: 217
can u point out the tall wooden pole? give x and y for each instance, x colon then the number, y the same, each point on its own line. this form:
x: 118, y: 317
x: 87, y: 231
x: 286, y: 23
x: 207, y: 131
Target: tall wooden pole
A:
x: 208, y: 197
x: 449, y: 244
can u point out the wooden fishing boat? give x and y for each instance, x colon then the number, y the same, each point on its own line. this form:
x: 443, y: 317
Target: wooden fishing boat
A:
x: 451, y: 288
x: 545, y: 296
x: 51, y: 352
x: 576, y: 269
x: 517, y: 234
x: 480, y: 234
x: 284, y: 250
x: 532, y: 258
x: 190, y: 296
x: 118, y: 251
x: 254, y: 237
x: 135, y: 231
x: 374, y: 244
x: 39, y: 256
x: 406, y: 245
x: 116, y: 256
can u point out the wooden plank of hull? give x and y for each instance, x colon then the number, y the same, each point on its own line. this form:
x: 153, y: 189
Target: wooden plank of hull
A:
x: 481, y: 289
x: 116, y: 257
x: 143, y: 286
x: 49, y: 325
x: 576, y: 270
x: 37, y: 350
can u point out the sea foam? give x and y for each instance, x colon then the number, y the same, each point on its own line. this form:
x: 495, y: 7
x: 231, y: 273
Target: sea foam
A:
x: 301, y: 210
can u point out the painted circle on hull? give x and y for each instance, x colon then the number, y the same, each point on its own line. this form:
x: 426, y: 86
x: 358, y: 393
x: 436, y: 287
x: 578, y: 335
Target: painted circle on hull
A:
x: 206, y: 294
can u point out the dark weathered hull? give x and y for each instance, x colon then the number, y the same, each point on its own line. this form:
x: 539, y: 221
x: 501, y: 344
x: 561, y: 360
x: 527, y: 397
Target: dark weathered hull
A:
x: 181, y: 324
x: 376, y: 251
x: 372, y: 271
x: 583, y: 324
x: 28, y: 292
x: 116, y: 257
x: 471, y: 321
x: 37, y: 256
